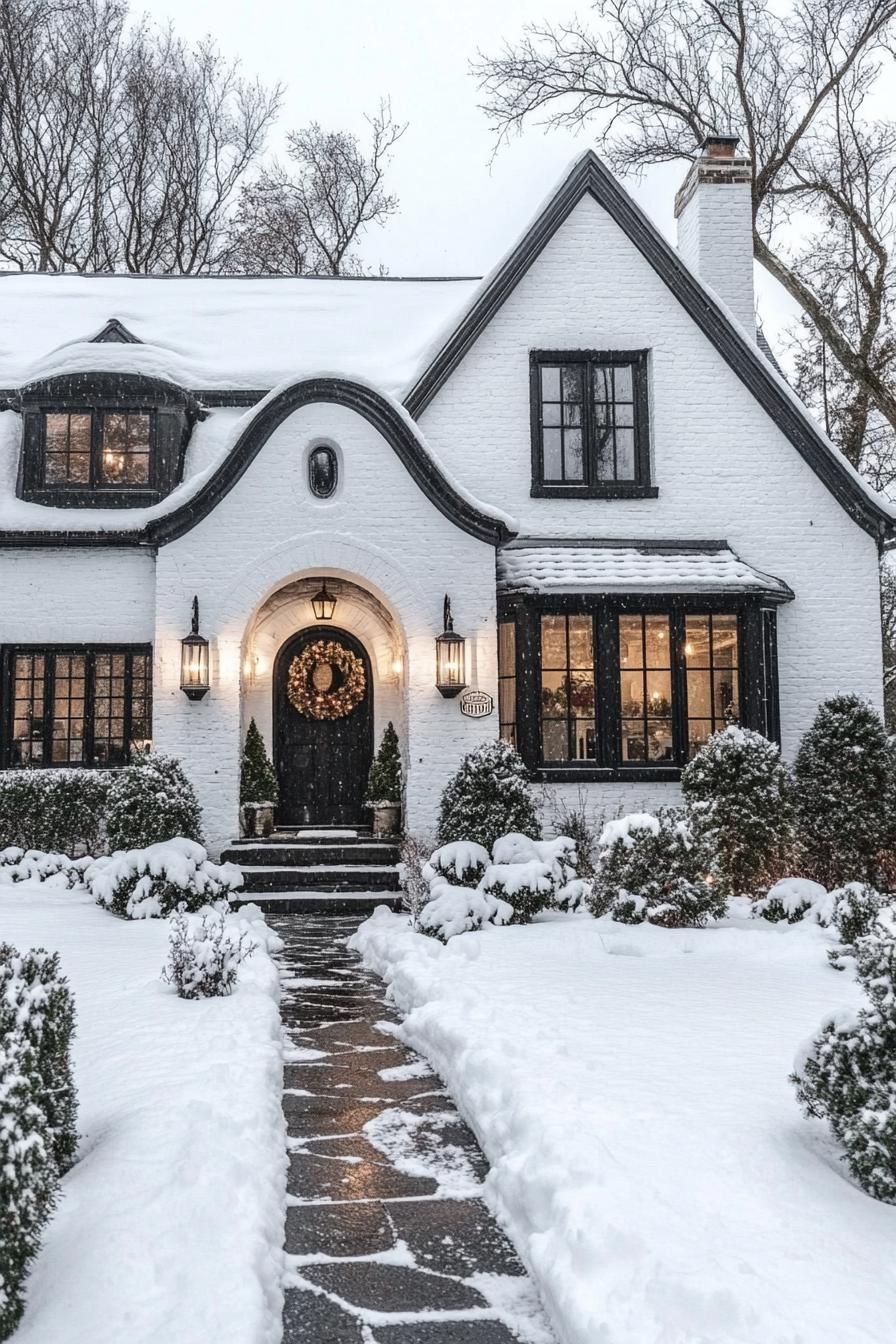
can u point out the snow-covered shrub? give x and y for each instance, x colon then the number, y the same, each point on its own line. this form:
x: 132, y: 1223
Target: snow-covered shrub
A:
x: 36, y: 1005
x: 794, y: 899
x: 462, y: 862
x: 29, y: 1175
x: 575, y: 820
x: 32, y: 865
x: 649, y: 869
x: 844, y: 781
x: 530, y: 874
x: 738, y: 793
x: 856, y: 907
x: 54, y: 811
x: 150, y: 802
x: 847, y: 1075
x: 153, y: 882
x: 413, y: 856
x: 205, y: 953
x: 488, y: 797
x: 453, y: 910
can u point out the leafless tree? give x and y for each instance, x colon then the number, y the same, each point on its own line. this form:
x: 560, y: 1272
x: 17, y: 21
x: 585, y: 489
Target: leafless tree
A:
x: 120, y: 146
x: 307, y: 218
x: 655, y: 76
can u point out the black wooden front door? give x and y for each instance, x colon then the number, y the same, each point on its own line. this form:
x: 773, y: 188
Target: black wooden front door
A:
x: 322, y: 763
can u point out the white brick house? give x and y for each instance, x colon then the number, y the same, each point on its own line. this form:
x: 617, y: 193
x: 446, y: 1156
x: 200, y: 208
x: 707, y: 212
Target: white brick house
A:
x: 640, y: 530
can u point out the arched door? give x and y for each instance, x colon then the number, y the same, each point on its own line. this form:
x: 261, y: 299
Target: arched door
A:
x: 323, y: 738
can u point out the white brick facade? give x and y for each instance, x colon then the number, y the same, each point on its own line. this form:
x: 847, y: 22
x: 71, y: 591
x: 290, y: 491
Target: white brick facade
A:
x: 722, y: 467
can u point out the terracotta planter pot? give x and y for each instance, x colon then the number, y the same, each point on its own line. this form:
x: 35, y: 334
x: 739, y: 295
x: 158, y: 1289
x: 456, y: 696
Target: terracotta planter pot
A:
x: 386, y: 818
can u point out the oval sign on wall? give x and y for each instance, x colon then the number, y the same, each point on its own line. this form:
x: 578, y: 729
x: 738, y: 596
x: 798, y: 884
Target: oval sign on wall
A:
x: 476, y: 704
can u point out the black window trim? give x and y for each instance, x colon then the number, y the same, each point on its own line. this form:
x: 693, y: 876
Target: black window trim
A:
x: 95, y: 491
x: 757, y: 664
x: 8, y: 655
x: 641, y: 487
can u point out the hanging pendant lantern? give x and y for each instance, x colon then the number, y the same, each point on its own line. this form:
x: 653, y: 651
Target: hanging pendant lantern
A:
x: 323, y: 604
x: 450, y: 657
x: 194, y: 680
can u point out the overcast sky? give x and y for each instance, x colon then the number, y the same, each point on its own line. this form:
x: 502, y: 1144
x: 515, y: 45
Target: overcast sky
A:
x: 460, y: 209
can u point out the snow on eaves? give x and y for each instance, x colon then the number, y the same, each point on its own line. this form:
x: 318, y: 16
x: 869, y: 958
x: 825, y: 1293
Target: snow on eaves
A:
x: 553, y: 567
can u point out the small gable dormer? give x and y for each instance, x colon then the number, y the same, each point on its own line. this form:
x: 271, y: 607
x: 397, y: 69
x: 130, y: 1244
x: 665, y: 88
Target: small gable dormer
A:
x: 103, y: 440
x: 115, y: 333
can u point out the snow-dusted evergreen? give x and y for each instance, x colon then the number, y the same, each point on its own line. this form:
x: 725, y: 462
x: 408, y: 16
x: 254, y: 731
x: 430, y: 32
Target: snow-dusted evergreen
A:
x: 854, y: 910
x: 32, y: 865
x: 530, y: 875
x: 413, y: 854
x: 848, y: 1074
x: 152, y: 802
x: 794, y: 899
x: 258, y: 778
x: 844, y: 778
x: 462, y: 862
x: 156, y: 881
x: 61, y: 811
x: 739, y: 809
x: 488, y: 797
x: 453, y: 910
x: 649, y: 868
x: 384, y: 780
x: 205, y: 953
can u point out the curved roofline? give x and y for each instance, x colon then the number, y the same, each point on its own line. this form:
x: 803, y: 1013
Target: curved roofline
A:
x: 384, y: 415
x: 589, y: 177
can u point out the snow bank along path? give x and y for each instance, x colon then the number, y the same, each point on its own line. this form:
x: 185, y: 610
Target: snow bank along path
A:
x: 629, y: 1087
x: 170, y: 1227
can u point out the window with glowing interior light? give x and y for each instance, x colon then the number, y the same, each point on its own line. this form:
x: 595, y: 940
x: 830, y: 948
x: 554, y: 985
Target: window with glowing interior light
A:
x: 89, y: 449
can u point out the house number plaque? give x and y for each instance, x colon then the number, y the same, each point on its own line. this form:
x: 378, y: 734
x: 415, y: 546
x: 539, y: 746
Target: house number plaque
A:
x: 476, y: 704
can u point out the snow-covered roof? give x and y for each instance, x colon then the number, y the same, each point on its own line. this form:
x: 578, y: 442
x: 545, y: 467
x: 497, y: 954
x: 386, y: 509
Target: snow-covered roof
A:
x: 218, y: 332
x: 560, y: 566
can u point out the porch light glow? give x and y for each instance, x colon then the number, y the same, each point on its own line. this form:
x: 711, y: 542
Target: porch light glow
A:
x: 323, y: 604
x: 194, y: 680
x: 450, y: 657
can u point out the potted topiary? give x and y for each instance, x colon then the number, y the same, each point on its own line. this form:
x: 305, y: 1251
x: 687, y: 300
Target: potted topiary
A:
x: 384, y: 785
x: 259, y: 792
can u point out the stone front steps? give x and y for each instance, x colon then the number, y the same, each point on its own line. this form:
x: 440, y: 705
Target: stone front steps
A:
x: 324, y: 870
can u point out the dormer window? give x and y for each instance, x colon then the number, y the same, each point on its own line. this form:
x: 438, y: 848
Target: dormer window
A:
x: 590, y: 424
x: 103, y: 440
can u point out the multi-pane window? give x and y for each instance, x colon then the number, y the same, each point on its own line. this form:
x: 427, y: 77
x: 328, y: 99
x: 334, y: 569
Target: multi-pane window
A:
x: 645, y: 689
x: 589, y: 422
x: 97, y: 448
x: 711, y: 657
x: 78, y: 707
x: 124, y: 448
x: 567, y: 688
x: 68, y: 448
x: 507, y: 680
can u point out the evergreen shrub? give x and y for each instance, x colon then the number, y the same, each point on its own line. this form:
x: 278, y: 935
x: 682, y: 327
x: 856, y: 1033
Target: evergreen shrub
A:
x: 54, y: 811
x: 154, y: 882
x: 488, y: 797
x: 384, y: 780
x: 740, y: 813
x: 258, y: 779
x: 205, y: 953
x: 649, y: 868
x: 152, y: 801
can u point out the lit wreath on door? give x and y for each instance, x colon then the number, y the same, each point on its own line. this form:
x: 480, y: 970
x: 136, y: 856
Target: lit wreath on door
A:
x: 326, y: 681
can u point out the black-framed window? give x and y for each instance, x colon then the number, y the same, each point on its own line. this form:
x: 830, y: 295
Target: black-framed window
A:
x: 507, y: 680
x: 96, y: 449
x: 590, y: 424
x: 75, y: 706
x: 630, y: 687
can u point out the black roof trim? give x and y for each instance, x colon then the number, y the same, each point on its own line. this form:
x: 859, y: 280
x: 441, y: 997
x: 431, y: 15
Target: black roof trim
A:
x: 115, y: 333
x: 247, y: 396
x: 608, y: 543
x: 590, y: 177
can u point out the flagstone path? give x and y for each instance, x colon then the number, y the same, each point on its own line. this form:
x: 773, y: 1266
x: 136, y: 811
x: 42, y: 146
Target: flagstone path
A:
x: 387, y: 1238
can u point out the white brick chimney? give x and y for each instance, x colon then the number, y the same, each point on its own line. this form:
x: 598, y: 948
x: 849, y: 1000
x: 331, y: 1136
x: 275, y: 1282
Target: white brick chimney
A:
x: 715, y: 225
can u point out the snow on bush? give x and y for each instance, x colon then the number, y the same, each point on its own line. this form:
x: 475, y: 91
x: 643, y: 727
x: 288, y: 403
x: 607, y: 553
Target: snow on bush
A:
x: 488, y: 797
x: 847, y: 1075
x: 738, y: 793
x: 160, y: 879
x: 844, y: 777
x: 151, y: 802
x: 205, y: 953
x: 453, y: 910
x: 32, y: 865
x: 462, y: 861
x: 854, y: 909
x: 648, y: 868
x: 54, y: 811
x: 793, y: 899
x: 413, y: 856
x: 532, y: 875
x: 36, y: 1005
x: 29, y: 1176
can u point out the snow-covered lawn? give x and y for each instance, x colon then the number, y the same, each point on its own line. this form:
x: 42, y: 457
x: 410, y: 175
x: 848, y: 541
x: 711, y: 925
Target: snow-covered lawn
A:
x: 170, y: 1227
x: 629, y: 1086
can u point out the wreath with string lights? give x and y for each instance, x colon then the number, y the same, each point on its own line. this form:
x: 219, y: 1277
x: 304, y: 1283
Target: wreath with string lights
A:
x: 326, y: 681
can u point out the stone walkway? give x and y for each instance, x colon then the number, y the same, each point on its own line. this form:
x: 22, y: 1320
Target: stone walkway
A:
x: 387, y: 1238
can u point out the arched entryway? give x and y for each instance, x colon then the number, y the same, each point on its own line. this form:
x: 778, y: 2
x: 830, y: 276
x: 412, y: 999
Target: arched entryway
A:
x: 323, y: 727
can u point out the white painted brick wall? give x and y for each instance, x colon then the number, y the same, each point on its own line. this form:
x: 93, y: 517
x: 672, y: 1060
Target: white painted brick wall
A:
x: 715, y: 238
x: 76, y: 596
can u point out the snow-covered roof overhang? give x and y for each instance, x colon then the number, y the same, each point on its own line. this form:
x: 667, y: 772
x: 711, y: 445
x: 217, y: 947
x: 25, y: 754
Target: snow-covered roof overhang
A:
x: 542, y: 565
